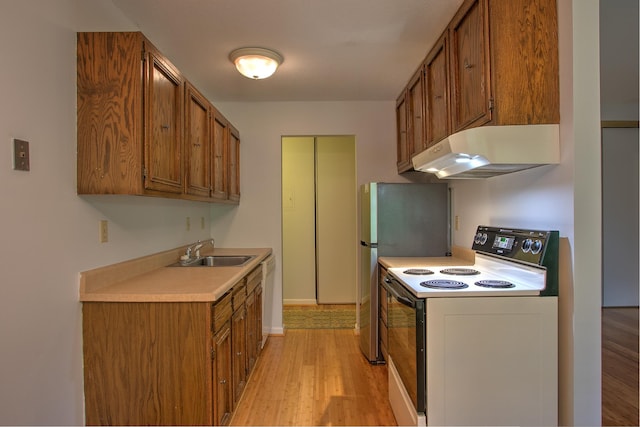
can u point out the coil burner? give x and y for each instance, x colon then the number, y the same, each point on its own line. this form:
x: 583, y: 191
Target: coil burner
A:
x: 459, y: 271
x: 444, y: 284
x: 418, y: 271
x: 495, y: 284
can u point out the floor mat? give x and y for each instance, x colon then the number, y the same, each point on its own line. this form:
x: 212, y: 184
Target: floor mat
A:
x: 322, y: 318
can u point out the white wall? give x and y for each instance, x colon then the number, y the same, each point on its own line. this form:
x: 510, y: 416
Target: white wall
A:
x: 49, y: 234
x: 258, y: 221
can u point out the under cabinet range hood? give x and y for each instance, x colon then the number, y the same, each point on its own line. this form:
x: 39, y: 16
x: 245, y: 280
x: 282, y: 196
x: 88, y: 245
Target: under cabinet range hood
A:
x: 488, y: 151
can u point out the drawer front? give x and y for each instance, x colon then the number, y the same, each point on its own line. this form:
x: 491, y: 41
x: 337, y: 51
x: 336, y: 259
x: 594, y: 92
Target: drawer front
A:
x: 239, y: 294
x: 254, y: 279
x: 220, y: 312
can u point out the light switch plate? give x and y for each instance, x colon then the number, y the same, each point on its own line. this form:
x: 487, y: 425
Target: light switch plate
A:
x: 20, y: 155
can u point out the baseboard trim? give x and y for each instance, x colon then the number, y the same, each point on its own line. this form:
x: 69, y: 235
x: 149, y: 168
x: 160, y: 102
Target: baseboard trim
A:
x: 299, y: 302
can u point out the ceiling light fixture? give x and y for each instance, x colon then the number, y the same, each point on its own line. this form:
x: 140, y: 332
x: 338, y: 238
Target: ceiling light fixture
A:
x: 256, y: 62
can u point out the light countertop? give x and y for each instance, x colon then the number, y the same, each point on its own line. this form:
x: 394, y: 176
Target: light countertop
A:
x: 149, y: 279
x: 460, y: 256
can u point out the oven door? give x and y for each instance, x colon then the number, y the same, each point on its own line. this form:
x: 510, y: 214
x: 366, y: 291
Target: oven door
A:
x: 406, y: 323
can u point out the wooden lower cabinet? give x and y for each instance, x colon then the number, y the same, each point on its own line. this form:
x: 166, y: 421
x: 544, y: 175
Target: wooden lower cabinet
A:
x: 165, y: 363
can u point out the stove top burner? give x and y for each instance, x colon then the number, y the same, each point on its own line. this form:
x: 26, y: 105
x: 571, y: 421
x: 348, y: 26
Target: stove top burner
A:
x: 444, y: 284
x: 495, y: 284
x: 459, y: 271
x: 418, y: 271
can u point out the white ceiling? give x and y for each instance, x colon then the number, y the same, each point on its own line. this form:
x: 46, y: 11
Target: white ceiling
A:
x: 334, y: 50
x: 337, y: 50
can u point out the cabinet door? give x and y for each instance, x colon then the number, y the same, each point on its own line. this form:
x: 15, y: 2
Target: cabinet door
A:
x: 415, y: 93
x: 239, y: 353
x: 197, y: 143
x: 223, y: 399
x: 234, y: 164
x: 163, y: 133
x: 219, y: 157
x: 404, y: 162
x: 251, y: 331
x: 470, y: 66
x: 437, y: 92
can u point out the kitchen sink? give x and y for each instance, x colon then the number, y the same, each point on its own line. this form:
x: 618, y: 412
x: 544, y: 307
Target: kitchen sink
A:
x: 216, y: 261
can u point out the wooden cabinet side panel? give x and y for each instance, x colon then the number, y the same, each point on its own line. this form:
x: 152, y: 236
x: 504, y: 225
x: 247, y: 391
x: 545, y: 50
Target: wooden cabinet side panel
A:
x: 524, y: 48
x: 109, y: 113
x: 147, y: 363
x: 239, y: 353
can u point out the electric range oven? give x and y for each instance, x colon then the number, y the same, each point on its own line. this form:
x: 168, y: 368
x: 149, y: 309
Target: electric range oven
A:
x: 477, y: 344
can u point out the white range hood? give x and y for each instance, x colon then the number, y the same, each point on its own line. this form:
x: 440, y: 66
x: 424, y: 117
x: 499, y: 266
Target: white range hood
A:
x: 487, y: 151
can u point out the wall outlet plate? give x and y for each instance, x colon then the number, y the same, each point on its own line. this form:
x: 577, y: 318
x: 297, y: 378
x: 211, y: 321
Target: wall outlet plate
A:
x: 20, y: 155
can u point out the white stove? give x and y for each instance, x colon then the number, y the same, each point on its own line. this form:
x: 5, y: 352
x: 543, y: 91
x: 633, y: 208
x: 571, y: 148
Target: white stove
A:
x: 487, y: 277
x: 508, y: 263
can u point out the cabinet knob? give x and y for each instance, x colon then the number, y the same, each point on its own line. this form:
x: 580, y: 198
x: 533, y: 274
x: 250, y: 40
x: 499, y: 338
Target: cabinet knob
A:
x: 223, y: 381
x: 467, y: 65
x: 239, y: 353
x: 164, y: 127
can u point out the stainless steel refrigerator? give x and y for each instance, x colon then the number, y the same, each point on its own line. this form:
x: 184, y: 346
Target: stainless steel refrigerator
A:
x: 396, y: 220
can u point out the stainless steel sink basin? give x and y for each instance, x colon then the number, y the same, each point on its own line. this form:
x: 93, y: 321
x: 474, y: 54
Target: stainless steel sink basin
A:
x: 216, y: 261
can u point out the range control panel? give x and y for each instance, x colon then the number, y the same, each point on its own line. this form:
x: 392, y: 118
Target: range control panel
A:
x: 522, y: 245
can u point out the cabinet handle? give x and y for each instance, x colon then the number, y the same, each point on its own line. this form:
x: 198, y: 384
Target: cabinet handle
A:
x: 223, y: 381
x: 467, y: 65
x: 165, y: 127
x: 239, y: 353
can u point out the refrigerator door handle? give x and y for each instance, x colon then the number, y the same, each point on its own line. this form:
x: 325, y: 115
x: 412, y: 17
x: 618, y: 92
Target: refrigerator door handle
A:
x: 369, y: 245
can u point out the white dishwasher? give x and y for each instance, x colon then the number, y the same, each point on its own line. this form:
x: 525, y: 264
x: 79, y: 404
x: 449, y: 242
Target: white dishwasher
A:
x: 268, y: 282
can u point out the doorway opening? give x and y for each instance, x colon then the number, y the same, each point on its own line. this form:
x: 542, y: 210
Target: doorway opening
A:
x: 319, y: 220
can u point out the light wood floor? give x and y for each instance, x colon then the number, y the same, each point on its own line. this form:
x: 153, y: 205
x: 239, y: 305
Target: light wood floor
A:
x: 620, y: 366
x: 315, y: 377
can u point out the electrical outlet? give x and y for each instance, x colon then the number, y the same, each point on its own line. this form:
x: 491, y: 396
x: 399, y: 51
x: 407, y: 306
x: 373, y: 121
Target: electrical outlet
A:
x: 202, y: 222
x: 456, y: 223
x: 20, y: 155
x: 188, y: 223
x: 104, y: 231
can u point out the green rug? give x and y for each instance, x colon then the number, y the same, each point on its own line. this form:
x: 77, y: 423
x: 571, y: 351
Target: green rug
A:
x: 333, y: 318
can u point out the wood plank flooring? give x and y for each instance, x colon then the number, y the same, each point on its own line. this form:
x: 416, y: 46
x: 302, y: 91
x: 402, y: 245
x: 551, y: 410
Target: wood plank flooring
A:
x: 620, y: 366
x: 315, y: 377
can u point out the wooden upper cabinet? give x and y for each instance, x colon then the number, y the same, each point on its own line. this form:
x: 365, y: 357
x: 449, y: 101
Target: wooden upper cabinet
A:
x: 109, y: 109
x: 525, y: 64
x: 164, y: 87
x: 142, y: 128
x: 234, y: 164
x: 495, y: 64
x: 471, y: 82
x: 403, y: 159
x: 416, y: 113
x: 198, y: 141
x: 437, y: 92
x: 219, y: 157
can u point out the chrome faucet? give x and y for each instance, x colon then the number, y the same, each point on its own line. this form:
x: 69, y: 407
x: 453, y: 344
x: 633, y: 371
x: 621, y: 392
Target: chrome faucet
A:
x: 195, y: 248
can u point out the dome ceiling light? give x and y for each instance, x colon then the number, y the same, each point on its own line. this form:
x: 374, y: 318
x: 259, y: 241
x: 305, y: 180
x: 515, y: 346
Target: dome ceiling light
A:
x: 256, y: 62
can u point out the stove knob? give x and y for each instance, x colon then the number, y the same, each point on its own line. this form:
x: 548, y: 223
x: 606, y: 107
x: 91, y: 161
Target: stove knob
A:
x: 526, y: 245
x: 477, y: 238
x: 483, y: 238
x: 536, y: 247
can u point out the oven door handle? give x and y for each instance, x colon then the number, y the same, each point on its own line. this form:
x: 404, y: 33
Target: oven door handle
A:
x: 388, y: 285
